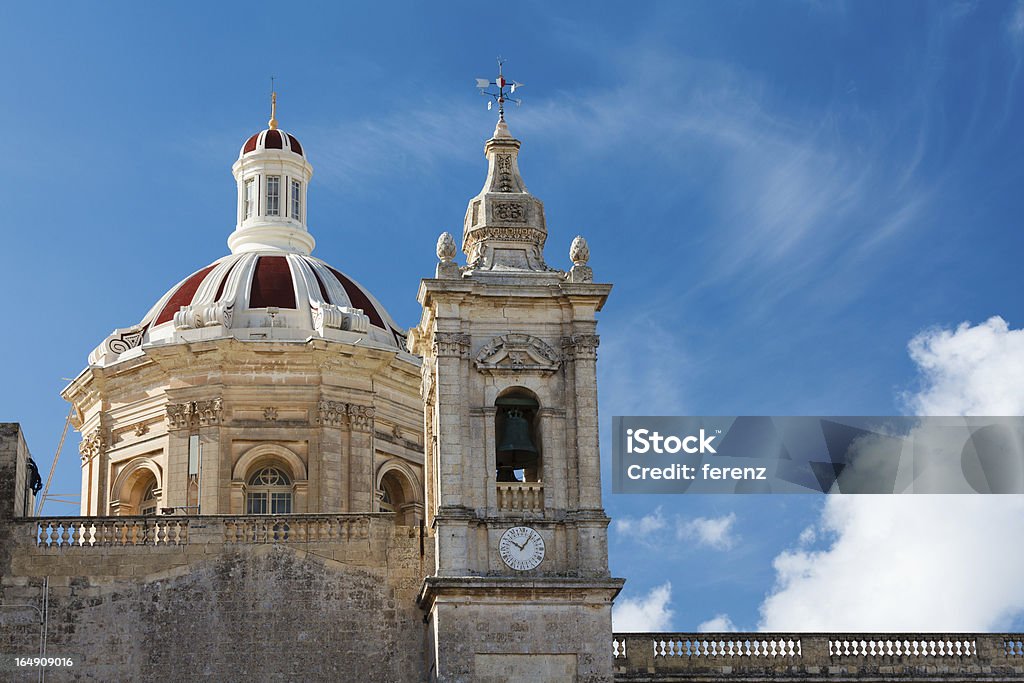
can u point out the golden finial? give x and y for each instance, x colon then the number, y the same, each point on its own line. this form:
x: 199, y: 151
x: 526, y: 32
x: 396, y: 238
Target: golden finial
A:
x: 273, y: 105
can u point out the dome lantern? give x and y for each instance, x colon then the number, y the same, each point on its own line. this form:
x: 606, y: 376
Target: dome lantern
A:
x: 272, y: 174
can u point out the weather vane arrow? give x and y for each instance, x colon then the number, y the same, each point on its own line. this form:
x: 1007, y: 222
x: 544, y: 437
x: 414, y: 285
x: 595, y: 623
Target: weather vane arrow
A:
x: 504, y: 86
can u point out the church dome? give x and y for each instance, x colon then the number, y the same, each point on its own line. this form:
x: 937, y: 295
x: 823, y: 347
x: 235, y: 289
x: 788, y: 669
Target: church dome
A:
x: 270, y: 288
x: 260, y: 296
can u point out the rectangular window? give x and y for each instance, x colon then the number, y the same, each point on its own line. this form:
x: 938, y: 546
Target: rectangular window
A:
x: 296, y: 200
x: 256, y: 504
x: 280, y: 503
x: 250, y: 197
x: 273, y: 195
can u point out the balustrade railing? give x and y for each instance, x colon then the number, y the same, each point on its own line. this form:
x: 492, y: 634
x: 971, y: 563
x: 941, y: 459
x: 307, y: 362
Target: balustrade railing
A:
x: 663, y: 656
x: 111, y: 531
x: 522, y: 496
x: 296, y: 529
x: 79, y: 532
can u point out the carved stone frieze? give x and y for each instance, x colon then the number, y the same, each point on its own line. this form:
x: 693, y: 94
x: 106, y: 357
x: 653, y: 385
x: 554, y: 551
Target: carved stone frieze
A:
x: 525, y: 234
x: 511, y: 212
x: 580, y: 346
x: 93, y: 444
x: 341, y: 414
x: 451, y: 344
x: 517, y: 353
x: 194, y: 414
x: 141, y: 429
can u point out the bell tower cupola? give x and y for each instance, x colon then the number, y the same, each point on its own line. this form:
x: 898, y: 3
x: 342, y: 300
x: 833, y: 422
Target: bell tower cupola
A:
x: 504, y: 228
x: 272, y: 174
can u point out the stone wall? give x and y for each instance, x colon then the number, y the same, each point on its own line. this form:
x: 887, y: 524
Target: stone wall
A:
x: 316, y: 598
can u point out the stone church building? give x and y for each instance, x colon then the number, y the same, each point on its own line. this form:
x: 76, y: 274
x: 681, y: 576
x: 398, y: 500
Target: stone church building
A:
x: 281, y: 483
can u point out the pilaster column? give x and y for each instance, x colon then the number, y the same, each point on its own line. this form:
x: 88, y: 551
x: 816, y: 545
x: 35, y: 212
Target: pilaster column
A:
x: 582, y: 350
x: 331, y: 417
x: 451, y: 351
x: 360, y: 463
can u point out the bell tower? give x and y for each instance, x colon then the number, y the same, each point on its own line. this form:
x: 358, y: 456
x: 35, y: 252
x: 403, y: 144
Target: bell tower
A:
x: 521, y: 588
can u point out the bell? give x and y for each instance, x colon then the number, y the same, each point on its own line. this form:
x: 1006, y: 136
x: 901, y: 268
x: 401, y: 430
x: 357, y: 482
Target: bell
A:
x: 516, y: 450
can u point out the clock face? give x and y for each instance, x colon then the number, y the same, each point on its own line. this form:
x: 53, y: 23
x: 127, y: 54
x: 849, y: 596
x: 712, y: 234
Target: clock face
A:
x: 521, y: 548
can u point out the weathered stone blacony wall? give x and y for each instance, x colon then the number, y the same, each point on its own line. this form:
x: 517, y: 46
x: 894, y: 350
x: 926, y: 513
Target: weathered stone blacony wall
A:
x: 314, y: 598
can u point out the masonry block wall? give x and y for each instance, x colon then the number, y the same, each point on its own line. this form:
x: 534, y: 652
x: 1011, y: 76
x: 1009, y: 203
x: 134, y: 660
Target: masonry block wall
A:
x: 222, y: 598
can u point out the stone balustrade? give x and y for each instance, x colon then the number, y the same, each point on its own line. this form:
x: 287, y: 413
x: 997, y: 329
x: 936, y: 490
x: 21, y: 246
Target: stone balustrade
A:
x: 818, y: 656
x: 87, y: 532
x: 521, y: 496
x: 295, y: 528
x: 71, y: 532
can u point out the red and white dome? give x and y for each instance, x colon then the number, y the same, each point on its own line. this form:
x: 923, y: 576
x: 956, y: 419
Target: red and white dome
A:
x: 271, y: 138
x: 270, y: 288
x: 260, y: 296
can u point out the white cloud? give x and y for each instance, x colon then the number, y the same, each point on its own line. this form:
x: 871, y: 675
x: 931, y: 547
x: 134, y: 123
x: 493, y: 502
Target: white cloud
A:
x: 713, y: 532
x: 717, y: 624
x: 975, y: 370
x: 717, y: 533
x: 643, y: 527
x: 920, y: 563
x: 651, y: 612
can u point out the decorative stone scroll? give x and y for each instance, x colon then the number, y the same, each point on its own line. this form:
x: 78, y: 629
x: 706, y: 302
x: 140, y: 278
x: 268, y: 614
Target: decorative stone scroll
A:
x: 93, y: 444
x: 204, y: 315
x: 340, y: 414
x: 125, y: 339
x: 194, y: 414
x: 451, y: 344
x: 517, y: 353
x: 338, y: 318
x: 580, y: 346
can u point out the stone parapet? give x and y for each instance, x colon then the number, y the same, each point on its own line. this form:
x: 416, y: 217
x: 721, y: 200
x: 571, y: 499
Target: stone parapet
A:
x: 779, y: 657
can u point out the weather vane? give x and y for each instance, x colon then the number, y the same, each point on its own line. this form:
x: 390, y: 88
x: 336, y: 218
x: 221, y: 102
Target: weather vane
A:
x: 502, y: 96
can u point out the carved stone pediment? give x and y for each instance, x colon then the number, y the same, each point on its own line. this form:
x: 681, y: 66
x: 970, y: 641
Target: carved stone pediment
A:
x: 517, y: 353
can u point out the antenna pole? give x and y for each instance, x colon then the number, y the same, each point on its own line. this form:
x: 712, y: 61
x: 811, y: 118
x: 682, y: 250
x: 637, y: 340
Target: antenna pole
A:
x: 53, y: 467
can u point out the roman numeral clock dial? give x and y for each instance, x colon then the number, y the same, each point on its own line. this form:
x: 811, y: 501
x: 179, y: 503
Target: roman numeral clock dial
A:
x: 521, y: 548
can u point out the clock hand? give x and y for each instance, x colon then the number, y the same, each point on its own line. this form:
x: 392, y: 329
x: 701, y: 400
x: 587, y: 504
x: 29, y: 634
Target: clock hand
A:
x: 521, y: 547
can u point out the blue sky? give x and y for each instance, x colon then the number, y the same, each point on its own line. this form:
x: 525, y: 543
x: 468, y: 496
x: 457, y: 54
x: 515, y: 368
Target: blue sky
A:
x: 784, y: 195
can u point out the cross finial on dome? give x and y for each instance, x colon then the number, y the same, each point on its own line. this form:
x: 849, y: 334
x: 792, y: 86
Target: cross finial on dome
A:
x: 501, y: 97
x: 273, y: 106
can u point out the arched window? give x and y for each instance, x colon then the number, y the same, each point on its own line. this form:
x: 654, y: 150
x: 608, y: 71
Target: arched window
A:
x: 398, y: 495
x: 149, y: 500
x: 517, y: 447
x: 269, y: 492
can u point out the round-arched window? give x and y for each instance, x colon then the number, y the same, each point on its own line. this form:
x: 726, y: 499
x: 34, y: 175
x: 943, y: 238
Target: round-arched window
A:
x: 148, y: 504
x: 269, y: 492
